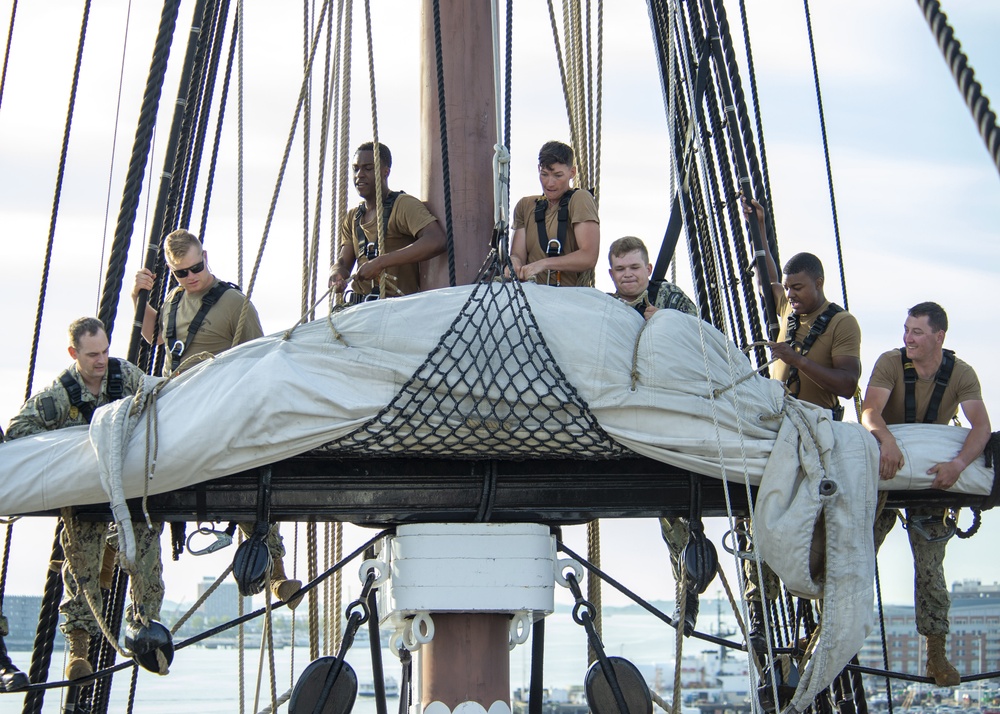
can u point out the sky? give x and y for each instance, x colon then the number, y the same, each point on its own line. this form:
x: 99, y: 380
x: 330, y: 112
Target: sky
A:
x: 917, y: 194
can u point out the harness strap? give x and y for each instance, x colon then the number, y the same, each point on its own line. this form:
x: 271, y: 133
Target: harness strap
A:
x: 364, y: 246
x: 72, y: 388
x: 116, y: 388
x: 817, y: 329
x: 941, y: 380
x: 177, y: 347
x: 553, y: 247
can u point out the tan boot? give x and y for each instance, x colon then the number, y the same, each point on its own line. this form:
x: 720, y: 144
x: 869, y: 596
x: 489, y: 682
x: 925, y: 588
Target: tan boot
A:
x: 283, y: 588
x: 938, y: 667
x: 79, y: 655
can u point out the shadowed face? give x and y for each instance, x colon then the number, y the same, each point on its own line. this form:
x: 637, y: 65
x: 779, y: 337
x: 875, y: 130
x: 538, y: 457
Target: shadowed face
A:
x: 91, y: 356
x: 555, y: 180
x: 191, y: 271
x: 364, y: 174
x: 805, y: 293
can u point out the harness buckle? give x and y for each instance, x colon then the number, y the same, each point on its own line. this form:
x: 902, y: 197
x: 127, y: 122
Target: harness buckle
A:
x: 371, y: 251
x: 222, y: 540
x: 549, y: 248
x: 177, y: 350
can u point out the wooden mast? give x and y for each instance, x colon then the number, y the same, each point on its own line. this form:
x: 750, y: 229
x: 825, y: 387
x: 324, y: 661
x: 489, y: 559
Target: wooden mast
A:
x: 470, y: 108
x: 468, y: 659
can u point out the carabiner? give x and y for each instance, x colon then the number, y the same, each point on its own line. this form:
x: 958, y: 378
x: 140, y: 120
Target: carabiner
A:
x: 222, y: 540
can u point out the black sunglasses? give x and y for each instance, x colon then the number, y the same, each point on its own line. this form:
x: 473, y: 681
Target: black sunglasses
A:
x: 183, y: 272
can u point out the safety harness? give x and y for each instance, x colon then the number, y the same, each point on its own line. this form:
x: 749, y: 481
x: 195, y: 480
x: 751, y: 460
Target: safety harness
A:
x: 116, y: 390
x: 793, y: 381
x: 941, y: 380
x: 553, y: 247
x: 178, y: 347
x: 364, y: 246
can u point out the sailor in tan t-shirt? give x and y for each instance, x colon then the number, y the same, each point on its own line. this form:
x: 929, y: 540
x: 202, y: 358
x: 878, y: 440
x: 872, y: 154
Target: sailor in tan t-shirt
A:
x: 218, y: 331
x: 902, y: 390
x: 567, y: 254
x: 411, y: 235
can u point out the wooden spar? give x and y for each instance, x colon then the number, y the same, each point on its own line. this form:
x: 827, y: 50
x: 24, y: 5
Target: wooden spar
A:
x: 460, y: 665
x: 466, y: 58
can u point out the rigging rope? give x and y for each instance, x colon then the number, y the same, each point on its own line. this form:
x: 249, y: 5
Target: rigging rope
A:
x: 114, y: 144
x: 965, y: 77
x: 344, y: 43
x: 826, y: 154
x: 240, y: 8
x: 757, y: 117
x: 223, y: 99
x: 445, y: 167
x: 6, y: 54
x: 47, y: 263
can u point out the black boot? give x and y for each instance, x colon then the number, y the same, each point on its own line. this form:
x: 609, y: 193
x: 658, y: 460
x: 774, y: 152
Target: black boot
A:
x: 11, y: 678
x: 757, y: 635
x: 690, y: 612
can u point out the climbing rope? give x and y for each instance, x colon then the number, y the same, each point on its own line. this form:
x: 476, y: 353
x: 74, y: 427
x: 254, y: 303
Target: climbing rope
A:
x: 965, y: 77
x: 826, y: 154
x: 376, y: 149
x: 46, y: 264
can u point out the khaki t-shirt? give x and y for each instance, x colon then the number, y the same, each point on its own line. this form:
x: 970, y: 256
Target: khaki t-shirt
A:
x: 409, y: 216
x: 888, y: 374
x: 842, y: 338
x: 582, y: 208
x: 218, y: 328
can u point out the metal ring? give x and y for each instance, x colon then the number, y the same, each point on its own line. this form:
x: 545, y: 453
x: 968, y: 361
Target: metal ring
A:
x: 410, y: 642
x: 374, y: 564
x: 583, y: 604
x: 562, y: 565
x: 365, y: 615
x: 520, y: 627
x: 423, y: 627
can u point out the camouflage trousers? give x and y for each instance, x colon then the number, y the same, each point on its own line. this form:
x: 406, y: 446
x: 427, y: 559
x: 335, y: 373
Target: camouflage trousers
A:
x: 275, y: 546
x: 675, y: 535
x: 87, y: 544
x: 930, y: 591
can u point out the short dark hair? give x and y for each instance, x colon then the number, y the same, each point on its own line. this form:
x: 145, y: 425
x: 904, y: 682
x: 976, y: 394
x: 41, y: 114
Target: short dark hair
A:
x: 805, y: 263
x: 626, y: 245
x: 937, y: 318
x: 555, y: 152
x: 384, y: 155
x: 83, y: 326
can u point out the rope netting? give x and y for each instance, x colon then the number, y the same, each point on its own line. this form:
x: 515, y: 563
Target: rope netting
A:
x: 490, y: 386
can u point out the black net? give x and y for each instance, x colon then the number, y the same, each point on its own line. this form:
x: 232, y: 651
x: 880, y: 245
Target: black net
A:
x: 490, y: 389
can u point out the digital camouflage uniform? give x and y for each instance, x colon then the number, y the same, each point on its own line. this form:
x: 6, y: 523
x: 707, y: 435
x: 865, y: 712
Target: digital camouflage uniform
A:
x: 51, y: 409
x: 930, y: 589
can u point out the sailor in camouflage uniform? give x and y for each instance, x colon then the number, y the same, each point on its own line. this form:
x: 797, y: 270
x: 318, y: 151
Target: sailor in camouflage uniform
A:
x: 93, y: 380
x: 924, y: 383
x: 630, y: 271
